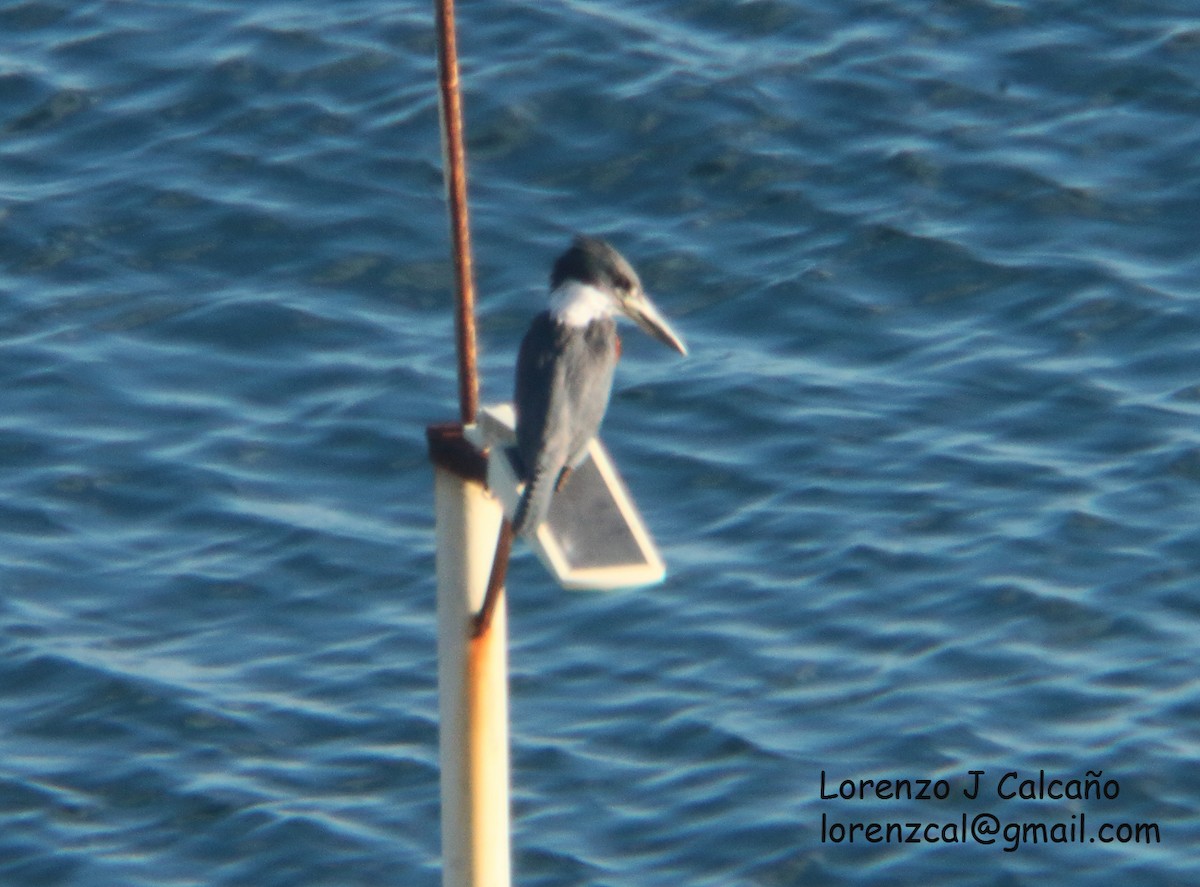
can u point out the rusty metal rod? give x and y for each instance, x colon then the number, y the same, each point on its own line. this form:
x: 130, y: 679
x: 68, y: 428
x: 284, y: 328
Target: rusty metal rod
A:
x: 454, y: 159
x: 483, y: 619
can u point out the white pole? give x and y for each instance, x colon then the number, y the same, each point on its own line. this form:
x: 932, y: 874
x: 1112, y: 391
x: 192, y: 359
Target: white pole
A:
x: 473, y: 689
x: 472, y: 665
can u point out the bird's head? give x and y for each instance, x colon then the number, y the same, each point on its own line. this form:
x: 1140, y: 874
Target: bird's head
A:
x: 594, y: 263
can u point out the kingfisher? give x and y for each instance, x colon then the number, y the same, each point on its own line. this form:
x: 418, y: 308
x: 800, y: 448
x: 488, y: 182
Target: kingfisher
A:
x: 565, y: 367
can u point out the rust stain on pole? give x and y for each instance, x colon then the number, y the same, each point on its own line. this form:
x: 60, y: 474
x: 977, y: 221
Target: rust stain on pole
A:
x: 455, y: 159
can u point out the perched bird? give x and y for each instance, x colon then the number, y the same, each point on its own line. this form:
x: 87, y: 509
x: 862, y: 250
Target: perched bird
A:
x: 565, y: 367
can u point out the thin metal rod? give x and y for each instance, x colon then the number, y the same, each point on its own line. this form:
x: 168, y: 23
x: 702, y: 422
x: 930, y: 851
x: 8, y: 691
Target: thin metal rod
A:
x: 504, y: 543
x: 454, y: 158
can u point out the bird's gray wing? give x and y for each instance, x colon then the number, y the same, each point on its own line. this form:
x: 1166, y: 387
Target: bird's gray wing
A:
x: 542, y: 432
x: 563, y: 380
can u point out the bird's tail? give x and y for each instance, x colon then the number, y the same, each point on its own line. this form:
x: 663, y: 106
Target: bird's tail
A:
x: 534, y: 504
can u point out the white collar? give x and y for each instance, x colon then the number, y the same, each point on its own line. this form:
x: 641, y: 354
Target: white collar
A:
x: 578, y: 304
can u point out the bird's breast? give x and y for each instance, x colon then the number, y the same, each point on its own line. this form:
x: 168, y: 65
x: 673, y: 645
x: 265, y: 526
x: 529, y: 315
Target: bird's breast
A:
x: 601, y: 338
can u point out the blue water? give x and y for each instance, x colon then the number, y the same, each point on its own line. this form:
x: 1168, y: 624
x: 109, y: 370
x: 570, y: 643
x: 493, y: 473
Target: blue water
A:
x: 927, y: 485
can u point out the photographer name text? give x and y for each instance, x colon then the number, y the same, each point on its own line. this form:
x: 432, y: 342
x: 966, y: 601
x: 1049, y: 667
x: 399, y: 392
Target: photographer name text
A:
x: 1010, y: 786
x: 984, y: 828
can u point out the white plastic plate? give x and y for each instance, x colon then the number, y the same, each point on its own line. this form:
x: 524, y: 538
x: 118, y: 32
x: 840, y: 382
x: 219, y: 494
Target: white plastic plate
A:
x: 593, y: 537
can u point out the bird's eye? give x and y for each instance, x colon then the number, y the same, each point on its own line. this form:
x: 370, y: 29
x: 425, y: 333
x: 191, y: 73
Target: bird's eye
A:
x: 622, y: 284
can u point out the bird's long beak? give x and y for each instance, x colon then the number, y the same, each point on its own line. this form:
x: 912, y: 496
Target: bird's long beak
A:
x: 641, y: 311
